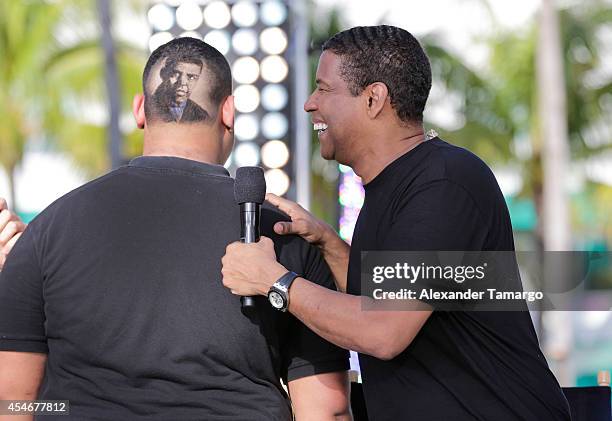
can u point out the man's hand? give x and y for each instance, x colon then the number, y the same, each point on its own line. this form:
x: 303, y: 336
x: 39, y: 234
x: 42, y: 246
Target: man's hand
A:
x: 251, y: 269
x: 11, y: 228
x: 334, y: 250
x: 303, y: 223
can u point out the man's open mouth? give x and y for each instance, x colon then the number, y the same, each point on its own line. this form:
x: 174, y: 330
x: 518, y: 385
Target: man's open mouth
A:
x: 320, y: 127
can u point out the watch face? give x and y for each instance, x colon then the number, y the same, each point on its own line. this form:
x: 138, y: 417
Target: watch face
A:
x: 276, y: 299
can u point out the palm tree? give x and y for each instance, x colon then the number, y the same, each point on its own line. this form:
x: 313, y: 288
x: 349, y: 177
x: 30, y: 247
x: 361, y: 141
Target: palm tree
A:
x: 500, y: 105
x: 24, y: 39
x: 48, y: 84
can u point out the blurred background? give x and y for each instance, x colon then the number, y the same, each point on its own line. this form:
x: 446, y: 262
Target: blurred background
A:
x: 526, y: 85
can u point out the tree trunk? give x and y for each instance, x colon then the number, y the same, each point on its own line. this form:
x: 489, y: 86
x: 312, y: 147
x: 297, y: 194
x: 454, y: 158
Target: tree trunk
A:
x: 556, y: 231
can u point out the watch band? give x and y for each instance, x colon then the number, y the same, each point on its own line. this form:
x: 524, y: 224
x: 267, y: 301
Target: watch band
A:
x: 287, y: 279
x: 279, y: 292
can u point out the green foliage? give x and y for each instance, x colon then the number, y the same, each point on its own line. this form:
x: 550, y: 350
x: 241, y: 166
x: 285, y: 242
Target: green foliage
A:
x: 48, y: 82
x: 500, y: 104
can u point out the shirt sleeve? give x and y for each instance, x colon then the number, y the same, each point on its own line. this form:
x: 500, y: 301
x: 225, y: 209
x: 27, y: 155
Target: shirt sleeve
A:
x: 22, y: 318
x: 305, y: 353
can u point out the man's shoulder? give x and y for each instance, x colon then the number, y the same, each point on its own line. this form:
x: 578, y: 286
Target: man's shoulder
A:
x: 454, y: 162
x: 293, y: 252
x: 77, y: 195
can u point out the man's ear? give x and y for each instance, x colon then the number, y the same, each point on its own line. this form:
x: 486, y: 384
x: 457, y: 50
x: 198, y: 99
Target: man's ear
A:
x: 138, y: 110
x: 376, y: 95
x: 227, y: 113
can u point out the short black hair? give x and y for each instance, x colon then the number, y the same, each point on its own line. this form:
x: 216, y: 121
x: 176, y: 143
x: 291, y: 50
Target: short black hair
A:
x: 192, y: 50
x: 171, y: 63
x: 389, y: 55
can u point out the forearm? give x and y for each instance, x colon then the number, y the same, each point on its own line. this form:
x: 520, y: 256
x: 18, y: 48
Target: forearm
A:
x: 340, y: 319
x: 336, y: 251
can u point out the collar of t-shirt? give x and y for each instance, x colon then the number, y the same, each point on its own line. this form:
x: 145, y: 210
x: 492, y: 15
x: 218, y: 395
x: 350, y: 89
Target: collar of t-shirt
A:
x: 388, y: 173
x: 181, y: 164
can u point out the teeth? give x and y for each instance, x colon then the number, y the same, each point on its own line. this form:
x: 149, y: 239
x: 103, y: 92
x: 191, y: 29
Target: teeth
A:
x: 320, y: 126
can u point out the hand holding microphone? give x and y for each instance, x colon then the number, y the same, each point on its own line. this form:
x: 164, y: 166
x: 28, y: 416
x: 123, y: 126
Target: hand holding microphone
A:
x: 249, y: 192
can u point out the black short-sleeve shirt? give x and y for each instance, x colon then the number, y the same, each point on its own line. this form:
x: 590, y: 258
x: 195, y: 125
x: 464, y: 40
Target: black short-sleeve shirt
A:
x: 484, y: 365
x: 120, y: 283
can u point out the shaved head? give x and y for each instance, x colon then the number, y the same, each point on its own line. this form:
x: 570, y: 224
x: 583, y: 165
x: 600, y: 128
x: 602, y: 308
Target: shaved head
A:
x: 184, y: 81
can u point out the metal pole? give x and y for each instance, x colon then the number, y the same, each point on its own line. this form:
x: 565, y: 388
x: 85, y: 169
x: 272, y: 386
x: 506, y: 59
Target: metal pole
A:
x: 301, y: 79
x: 112, y: 83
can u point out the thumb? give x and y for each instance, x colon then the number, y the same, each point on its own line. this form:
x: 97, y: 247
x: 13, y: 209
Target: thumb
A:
x: 283, y: 228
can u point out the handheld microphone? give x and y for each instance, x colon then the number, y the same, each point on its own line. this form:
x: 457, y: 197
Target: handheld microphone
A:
x: 249, y: 192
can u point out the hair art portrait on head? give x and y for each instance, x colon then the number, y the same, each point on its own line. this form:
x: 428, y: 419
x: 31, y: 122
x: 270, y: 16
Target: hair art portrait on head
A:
x: 185, y: 81
x: 172, y: 96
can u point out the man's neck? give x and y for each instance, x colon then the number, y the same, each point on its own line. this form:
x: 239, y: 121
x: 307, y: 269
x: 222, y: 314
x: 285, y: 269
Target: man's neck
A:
x: 385, y: 148
x: 183, y: 142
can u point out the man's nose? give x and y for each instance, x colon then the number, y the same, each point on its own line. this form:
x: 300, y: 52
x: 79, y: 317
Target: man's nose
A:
x: 183, y: 80
x: 310, y: 104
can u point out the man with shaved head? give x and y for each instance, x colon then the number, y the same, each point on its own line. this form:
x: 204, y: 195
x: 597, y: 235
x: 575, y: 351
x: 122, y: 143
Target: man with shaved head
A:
x: 112, y: 297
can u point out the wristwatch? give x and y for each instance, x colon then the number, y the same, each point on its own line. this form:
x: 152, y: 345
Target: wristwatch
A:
x: 279, y: 292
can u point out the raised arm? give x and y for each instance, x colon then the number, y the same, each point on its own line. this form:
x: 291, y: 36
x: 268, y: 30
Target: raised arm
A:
x: 335, y: 251
x: 11, y: 228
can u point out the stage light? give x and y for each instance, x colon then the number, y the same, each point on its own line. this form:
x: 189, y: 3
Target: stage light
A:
x: 244, y: 42
x: 245, y: 70
x: 273, y: 13
x: 254, y: 37
x: 246, y: 127
x: 217, y: 15
x: 273, y: 40
x: 274, y: 154
x: 189, y: 16
x: 274, y: 69
x: 277, y: 181
x: 274, y: 125
x: 191, y: 34
x: 350, y: 196
x: 344, y: 169
x: 246, y: 98
x: 161, y: 17
x: 246, y: 154
x: 158, y: 39
x: 274, y: 97
x: 244, y: 14
x: 218, y: 39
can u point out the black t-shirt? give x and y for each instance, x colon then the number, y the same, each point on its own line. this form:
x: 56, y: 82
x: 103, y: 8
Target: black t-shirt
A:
x: 120, y: 283
x: 462, y: 365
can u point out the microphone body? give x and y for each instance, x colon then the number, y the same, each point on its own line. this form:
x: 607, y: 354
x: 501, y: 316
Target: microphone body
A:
x: 250, y: 214
x: 249, y: 192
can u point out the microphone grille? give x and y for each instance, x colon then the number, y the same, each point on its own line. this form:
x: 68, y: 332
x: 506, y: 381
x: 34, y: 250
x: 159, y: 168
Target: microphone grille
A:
x: 250, y: 185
